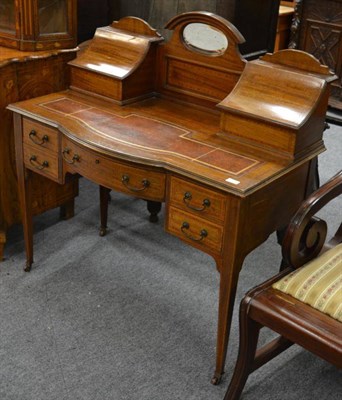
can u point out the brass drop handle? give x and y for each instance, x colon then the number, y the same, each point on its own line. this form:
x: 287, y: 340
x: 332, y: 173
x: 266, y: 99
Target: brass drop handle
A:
x: 72, y: 160
x: 36, y: 164
x: 187, y: 198
x: 145, y: 184
x: 33, y: 137
x: 186, y: 226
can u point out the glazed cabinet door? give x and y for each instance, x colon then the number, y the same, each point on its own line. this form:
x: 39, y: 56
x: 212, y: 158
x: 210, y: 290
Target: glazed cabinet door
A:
x: 31, y: 25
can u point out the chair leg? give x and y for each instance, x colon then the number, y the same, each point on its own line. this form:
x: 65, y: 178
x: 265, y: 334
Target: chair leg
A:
x: 249, y: 335
x: 104, y: 199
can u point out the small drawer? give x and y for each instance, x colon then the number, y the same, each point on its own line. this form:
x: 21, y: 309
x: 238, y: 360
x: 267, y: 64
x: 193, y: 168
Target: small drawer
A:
x: 40, y: 135
x: 140, y: 182
x: 197, y: 199
x: 41, y: 161
x: 77, y: 159
x: 194, y: 230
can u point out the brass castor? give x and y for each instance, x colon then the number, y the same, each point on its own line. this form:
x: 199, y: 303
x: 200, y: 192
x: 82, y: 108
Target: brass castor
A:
x: 28, y: 266
x: 103, y: 231
x: 216, y: 379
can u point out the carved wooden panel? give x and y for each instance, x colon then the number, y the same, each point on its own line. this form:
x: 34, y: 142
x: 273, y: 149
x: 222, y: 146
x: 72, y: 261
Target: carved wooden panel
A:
x: 317, y: 29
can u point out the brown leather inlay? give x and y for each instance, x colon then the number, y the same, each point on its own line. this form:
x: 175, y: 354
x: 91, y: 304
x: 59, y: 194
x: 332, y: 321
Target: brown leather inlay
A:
x: 65, y: 106
x: 237, y: 164
x: 149, y: 133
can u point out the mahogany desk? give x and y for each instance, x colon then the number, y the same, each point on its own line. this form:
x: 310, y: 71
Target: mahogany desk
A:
x: 229, y: 176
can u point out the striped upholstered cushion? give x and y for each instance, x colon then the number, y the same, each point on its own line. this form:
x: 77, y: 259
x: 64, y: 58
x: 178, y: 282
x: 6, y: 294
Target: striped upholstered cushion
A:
x: 318, y: 283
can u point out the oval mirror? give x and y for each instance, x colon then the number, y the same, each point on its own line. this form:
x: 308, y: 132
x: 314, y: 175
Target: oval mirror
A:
x: 204, y: 38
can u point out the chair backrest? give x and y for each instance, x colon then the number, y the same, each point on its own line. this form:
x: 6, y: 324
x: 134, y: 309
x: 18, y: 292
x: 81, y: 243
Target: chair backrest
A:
x: 306, y: 235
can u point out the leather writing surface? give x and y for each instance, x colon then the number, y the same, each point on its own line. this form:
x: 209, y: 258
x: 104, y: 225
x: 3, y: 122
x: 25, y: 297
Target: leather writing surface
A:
x: 139, y: 132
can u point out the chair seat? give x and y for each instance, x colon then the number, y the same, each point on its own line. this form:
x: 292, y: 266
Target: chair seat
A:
x: 302, y: 306
x: 318, y: 283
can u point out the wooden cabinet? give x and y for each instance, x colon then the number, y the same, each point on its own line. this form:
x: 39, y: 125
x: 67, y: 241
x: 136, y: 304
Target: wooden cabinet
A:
x: 284, y: 26
x: 37, y: 40
x: 317, y: 29
x: 29, y: 25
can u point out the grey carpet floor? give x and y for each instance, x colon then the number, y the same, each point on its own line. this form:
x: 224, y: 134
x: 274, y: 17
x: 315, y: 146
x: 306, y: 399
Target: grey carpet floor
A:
x: 132, y: 315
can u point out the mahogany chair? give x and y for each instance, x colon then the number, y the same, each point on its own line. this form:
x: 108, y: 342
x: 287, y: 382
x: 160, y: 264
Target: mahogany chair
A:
x: 303, y: 305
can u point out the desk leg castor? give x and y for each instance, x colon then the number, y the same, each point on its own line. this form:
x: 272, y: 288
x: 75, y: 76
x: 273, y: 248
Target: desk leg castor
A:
x: 103, y: 231
x: 216, y: 379
x: 28, y: 266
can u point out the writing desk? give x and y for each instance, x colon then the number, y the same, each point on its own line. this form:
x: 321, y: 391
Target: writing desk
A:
x: 229, y: 175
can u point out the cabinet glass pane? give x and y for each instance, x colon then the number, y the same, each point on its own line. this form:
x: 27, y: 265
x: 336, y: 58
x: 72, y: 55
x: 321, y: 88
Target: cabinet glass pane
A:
x: 7, y: 15
x: 53, y: 16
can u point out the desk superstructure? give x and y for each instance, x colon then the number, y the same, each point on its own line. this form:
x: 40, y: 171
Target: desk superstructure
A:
x: 229, y: 146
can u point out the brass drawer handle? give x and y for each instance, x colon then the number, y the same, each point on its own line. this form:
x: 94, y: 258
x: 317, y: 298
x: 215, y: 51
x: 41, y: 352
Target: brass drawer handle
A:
x: 37, y: 165
x: 185, y: 226
x: 187, y: 198
x: 75, y: 157
x: 145, y: 184
x: 33, y: 137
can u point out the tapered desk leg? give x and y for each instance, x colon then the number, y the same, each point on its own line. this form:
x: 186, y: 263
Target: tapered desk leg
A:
x: 229, y: 265
x: 104, y: 199
x: 24, y: 191
x: 2, y: 243
x: 229, y: 274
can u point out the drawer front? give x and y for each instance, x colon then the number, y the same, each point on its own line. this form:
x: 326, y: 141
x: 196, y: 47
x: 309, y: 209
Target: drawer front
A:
x: 40, y: 135
x: 139, y: 182
x: 41, y: 161
x: 195, y: 230
x: 196, y: 199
